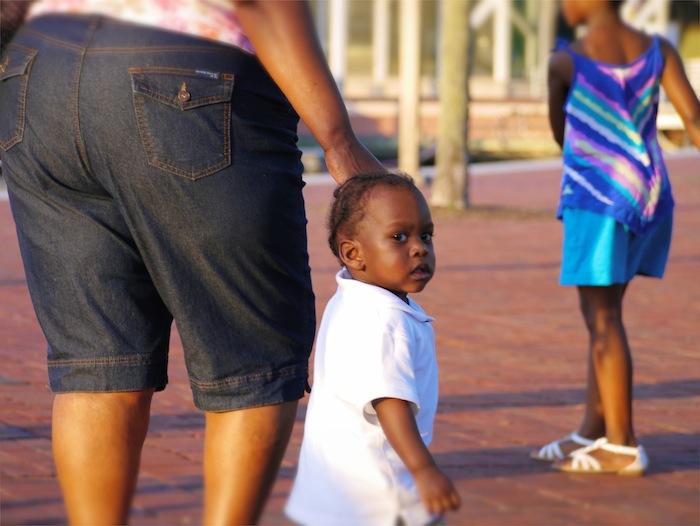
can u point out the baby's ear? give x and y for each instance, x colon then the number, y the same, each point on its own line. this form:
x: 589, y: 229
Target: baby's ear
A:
x: 351, y: 254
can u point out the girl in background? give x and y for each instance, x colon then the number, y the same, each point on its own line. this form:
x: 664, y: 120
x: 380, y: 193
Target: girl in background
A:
x: 616, y: 206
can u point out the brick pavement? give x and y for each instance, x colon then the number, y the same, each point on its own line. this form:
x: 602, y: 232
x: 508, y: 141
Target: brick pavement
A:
x: 511, y: 349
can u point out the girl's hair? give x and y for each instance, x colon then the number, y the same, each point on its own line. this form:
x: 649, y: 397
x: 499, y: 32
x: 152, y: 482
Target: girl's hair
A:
x: 350, y: 198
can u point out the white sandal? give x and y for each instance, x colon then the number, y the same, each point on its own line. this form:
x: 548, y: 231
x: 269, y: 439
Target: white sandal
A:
x: 582, y: 462
x: 552, y: 451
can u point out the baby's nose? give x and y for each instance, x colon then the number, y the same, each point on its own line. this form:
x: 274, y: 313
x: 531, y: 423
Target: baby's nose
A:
x: 419, y: 248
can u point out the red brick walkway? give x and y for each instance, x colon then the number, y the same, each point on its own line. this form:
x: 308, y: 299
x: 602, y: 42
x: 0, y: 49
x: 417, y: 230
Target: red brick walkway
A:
x: 512, y: 353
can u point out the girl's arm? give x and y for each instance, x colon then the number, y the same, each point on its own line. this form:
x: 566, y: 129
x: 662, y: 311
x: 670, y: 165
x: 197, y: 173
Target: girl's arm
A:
x: 285, y: 41
x: 559, y: 76
x: 399, y: 425
x: 680, y: 92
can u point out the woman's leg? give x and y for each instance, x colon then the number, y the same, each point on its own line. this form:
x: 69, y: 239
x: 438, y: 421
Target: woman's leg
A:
x: 97, y: 440
x: 611, y: 365
x: 243, y: 450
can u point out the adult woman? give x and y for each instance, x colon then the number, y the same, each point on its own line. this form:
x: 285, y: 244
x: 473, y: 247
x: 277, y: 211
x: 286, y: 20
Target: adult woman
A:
x: 154, y: 175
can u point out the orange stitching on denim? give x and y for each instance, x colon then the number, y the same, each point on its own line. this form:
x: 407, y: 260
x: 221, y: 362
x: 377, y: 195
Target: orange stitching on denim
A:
x: 158, y: 96
x: 51, y: 40
x: 17, y: 137
x: 173, y: 101
x: 166, y: 70
x: 155, y: 49
x: 286, y: 372
x: 77, y: 132
x: 153, y: 160
x: 138, y: 101
x: 146, y: 138
x: 26, y: 49
x: 192, y: 174
x: 227, y: 133
x: 141, y: 359
x: 203, y: 101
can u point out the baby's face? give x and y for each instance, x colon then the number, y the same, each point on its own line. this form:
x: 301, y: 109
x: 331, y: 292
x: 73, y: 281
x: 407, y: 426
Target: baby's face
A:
x: 395, y: 240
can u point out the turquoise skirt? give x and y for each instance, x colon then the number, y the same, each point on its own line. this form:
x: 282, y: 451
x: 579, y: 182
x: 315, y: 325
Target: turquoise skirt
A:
x: 599, y: 251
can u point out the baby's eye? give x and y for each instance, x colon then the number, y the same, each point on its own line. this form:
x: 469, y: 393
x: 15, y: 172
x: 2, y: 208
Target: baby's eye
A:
x: 427, y: 237
x: 400, y: 236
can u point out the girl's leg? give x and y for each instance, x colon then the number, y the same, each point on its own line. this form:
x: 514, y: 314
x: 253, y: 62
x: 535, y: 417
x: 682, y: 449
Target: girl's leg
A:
x: 593, y: 424
x: 243, y: 450
x: 97, y: 440
x: 612, y: 363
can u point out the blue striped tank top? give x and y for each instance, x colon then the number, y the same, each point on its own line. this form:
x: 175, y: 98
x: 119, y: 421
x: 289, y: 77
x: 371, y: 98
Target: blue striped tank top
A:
x: 613, y: 164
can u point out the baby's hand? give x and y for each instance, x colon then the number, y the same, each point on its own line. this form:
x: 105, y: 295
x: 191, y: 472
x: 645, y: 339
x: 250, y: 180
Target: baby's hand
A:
x: 436, y: 490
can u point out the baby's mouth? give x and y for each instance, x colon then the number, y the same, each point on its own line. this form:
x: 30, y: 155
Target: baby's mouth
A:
x: 422, y: 271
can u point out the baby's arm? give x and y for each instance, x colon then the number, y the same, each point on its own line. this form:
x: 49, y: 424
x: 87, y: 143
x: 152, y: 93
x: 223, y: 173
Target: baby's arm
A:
x: 680, y: 92
x: 559, y: 76
x: 399, y: 425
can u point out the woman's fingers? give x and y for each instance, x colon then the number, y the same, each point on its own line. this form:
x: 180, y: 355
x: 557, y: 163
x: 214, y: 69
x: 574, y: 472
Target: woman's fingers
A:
x: 352, y: 158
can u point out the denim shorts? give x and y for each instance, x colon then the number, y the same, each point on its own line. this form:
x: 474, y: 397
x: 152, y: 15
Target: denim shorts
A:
x: 153, y: 177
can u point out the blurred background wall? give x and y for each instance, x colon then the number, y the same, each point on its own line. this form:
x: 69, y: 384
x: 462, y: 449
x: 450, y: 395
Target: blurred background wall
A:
x: 510, y: 46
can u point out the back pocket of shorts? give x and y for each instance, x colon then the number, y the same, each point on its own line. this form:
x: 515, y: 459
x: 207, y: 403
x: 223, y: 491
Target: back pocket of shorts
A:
x: 15, y: 66
x: 184, y: 119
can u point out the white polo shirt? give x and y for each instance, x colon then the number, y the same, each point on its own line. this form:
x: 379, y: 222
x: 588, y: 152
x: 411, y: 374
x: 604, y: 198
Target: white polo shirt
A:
x: 371, y: 345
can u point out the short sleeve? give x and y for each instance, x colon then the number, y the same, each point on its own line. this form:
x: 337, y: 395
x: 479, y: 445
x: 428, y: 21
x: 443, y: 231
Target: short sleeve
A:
x: 378, y: 365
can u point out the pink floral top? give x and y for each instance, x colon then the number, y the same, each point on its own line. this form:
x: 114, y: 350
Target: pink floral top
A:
x: 213, y: 19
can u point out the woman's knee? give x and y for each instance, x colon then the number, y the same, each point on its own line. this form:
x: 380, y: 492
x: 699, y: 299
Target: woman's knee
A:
x: 125, y: 404
x: 101, y: 420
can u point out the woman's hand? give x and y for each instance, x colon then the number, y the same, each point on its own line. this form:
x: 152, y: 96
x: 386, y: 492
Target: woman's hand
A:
x: 285, y: 42
x: 350, y: 158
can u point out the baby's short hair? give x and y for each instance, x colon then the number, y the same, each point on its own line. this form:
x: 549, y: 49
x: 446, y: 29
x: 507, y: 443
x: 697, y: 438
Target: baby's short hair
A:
x: 350, y: 198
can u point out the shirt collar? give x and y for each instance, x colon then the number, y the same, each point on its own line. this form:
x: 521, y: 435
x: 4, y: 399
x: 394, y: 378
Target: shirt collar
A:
x: 373, y: 293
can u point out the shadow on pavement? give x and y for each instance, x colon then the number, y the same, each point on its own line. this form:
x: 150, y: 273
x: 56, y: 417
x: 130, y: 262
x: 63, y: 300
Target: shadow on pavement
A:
x: 448, y: 404
x: 668, y: 453
x: 193, y: 486
x: 555, y: 397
